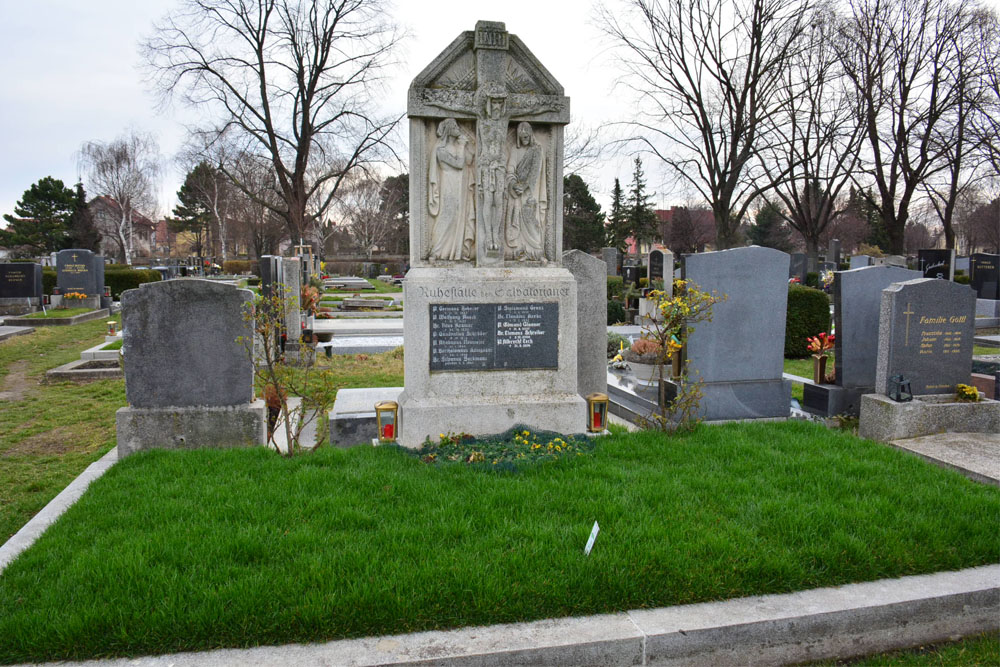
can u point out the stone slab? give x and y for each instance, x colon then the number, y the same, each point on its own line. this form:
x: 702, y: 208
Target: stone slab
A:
x: 885, y: 420
x: 937, y: 263
x: 988, y: 308
x: 985, y: 276
x: 591, y: 320
x: 19, y: 305
x: 352, y: 420
x: 377, y: 326
x: 12, y: 331
x: 610, y: 258
x: 57, y: 321
x: 140, y: 429
x: 825, y: 623
x: 975, y: 455
x: 84, y: 370
x: 829, y: 399
x: 761, y: 399
x: 97, y: 352
x: 38, y: 524
x: 360, y: 345
x: 180, y: 345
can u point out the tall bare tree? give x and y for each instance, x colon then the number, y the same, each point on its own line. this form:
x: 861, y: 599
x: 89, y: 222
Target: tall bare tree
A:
x: 706, y: 73
x: 254, y: 215
x: 898, y: 56
x: 813, y: 150
x: 292, y: 81
x: 369, y: 221
x: 124, y: 169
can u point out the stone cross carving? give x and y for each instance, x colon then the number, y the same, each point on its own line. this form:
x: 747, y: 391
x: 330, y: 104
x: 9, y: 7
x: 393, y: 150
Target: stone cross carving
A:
x: 510, y: 199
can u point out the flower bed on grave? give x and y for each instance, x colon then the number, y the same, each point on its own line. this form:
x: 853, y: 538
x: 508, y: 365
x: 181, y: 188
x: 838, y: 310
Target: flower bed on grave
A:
x: 511, y: 450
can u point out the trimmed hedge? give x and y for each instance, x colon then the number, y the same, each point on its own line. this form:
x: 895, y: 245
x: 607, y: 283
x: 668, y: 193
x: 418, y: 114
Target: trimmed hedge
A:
x: 236, y: 266
x: 616, y: 287
x: 616, y: 312
x: 120, y: 280
x: 963, y: 279
x: 808, y: 315
x: 48, y: 280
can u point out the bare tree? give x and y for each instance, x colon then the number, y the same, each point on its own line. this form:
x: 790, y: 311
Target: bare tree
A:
x: 898, y: 56
x: 290, y: 81
x: 813, y: 151
x: 124, y: 169
x: 368, y: 220
x: 706, y: 73
x: 254, y: 215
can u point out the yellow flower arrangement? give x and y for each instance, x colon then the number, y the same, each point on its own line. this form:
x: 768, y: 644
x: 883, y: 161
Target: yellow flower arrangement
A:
x: 967, y: 393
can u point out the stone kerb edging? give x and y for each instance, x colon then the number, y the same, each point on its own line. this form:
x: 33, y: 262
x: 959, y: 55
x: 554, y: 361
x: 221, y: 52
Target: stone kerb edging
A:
x: 841, y: 622
x: 56, y: 321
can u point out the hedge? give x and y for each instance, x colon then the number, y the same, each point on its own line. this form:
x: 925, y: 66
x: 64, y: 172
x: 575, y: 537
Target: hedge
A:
x: 120, y: 280
x: 808, y: 314
x: 236, y: 266
x: 616, y: 287
x: 48, y: 280
x: 616, y: 312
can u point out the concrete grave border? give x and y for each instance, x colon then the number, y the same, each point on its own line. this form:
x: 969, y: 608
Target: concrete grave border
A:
x: 57, y: 321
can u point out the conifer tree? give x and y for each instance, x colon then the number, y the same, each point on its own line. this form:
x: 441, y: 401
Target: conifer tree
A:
x: 617, y: 227
x: 769, y: 230
x: 641, y: 219
x: 82, y: 230
x: 583, y: 221
x: 40, y: 223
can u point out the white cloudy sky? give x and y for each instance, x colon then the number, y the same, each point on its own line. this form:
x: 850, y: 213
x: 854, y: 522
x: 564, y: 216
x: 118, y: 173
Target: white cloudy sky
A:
x: 71, y: 73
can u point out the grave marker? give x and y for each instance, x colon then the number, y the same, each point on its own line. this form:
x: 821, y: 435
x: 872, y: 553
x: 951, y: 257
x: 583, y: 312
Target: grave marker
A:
x: 80, y: 271
x: 985, y: 275
x: 937, y: 263
x: 20, y: 288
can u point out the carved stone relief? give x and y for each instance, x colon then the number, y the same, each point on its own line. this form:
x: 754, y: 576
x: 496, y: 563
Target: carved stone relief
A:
x: 526, y: 215
x: 450, y: 195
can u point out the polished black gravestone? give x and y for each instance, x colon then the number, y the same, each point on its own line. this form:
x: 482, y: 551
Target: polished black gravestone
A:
x: 494, y: 336
x: 798, y: 266
x: 80, y: 271
x: 985, y: 275
x: 926, y: 329
x: 937, y: 263
x: 660, y: 265
x: 20, y: 280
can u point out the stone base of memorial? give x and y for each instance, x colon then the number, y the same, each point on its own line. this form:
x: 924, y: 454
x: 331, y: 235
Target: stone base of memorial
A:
x: 883, y: 419
x: 830, y: 399
x: 487, y: 349
x: 139, y: 429
x: 92, y: 302
x: 20, y: 305
x: 55, y: 321
x: 737, y: 401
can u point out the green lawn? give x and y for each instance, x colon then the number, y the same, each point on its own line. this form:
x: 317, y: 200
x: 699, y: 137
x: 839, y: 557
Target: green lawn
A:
x: 983, y: 350
x: 174, y: 551
x: 115, y: 345
x: 978, y: 651
x: 59, y: 312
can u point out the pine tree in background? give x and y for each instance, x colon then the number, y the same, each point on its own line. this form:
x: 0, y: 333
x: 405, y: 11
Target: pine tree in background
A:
x: 40, y: 223
x: 769, y: 230
x: 641, y: 219
x: 583, y: 221
x: 82, y: 230
x: 617, y: 227
x: 192, y: 216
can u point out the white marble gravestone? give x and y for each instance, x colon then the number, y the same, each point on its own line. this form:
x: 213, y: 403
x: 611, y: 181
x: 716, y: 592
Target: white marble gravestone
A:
x: 490, y: 327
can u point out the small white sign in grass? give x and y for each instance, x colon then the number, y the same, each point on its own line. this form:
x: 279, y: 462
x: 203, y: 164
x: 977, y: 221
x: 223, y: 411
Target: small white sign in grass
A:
x: 590, y: 542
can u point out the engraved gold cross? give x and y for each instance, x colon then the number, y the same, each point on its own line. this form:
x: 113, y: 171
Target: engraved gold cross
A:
x: 907, y: 312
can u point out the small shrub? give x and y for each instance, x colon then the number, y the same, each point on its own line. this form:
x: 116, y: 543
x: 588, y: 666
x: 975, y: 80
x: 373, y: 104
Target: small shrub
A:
x: 643, y: 346
x: 616, y: 287
x: 812, y: 279
x: 236, y: 266
x: 962, y: 280
x: 49, y: 280
x: 808, y: 315
x: 643, y: 282
x: 253, y: 282
x: 615, y: 343
x: 616, y: 312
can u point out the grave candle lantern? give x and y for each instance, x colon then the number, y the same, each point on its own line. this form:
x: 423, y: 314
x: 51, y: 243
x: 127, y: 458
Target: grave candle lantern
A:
x: 597, y: 412
x: 112, y: 328
x: 107, y: 290
x: 899, y: 389
x: 386, y: 413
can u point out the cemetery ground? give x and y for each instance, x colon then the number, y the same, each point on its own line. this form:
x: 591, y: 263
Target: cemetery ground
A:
x: 174, y: 551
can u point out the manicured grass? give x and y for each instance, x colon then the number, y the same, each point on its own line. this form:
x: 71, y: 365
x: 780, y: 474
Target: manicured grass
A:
x: 978, y: 651
x: 116, y: 345
x: 175, y: 551
x: 59, y: 312
x: 49, y: 432
x: 803, y: 368
x: 384, y: 287
x: 983, y: 350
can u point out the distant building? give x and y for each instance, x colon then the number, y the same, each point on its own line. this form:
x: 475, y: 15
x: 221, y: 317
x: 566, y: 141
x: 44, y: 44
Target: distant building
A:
x: 107, y: 214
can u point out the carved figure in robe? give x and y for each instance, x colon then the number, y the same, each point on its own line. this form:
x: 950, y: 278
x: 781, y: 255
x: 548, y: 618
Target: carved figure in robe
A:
x: 450, y: 195
x: 527, y: 197
x: 491, y: 135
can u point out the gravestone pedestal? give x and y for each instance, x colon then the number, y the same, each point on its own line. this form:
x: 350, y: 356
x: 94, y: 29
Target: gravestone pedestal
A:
x: 487, y: 349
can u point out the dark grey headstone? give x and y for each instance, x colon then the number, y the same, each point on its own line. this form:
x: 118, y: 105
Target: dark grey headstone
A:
x: 630, y: 274
x: 80, y: 271
x: 937, y: 263
x: 798, y: 266
x: 926, y: 329
x: 833, y: 253
x: 985, y: 275
x: 270, y: 274
x: 860, y: 261
x: 591, y: 321
x: 857, y: 300
x: 746, y: 338
x: 610, y: 257
x: 180, y: 345
x: 20, y: 280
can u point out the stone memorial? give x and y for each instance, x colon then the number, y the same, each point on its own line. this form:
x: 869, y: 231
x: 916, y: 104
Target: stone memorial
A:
x: 860, y: 261
x: 985, y: 275
x: 610, y: 257
x: 291, y: 272
x: 491, y: 314
x: 270, y: 274
x: 739, y: 355
x: 660, y: 266
x: 80, y: 271
x: 926, y: 327
x: 798, y: 266
x: 833, y: 253
x: 591, y: 321
x: 857, y: 299
x: 20, y: 288
x: 188, y: 380
x: 937, y: 263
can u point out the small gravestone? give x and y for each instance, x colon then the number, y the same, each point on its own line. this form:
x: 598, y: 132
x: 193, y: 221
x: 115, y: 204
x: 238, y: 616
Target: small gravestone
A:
x: 188, y: 380
x: 833, y: 253
x: 20, y: 288
x: 926, y: 329
x: 291, y: 272
x: 797, y: 266
x: 739, y: 354
x: 860, y: 261
x: 610, y: 257
x: 270, y: 275
x: 80, y: 271
x: 857, y: 299
x: 985, y: 275
x: 631, y: 275
x: 660, y: 266
x: 591, y: 321
x: 937, y: 263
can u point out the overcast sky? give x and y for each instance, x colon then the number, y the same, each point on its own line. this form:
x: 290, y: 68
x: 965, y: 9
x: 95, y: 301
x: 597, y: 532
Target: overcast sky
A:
x: 71, y: 73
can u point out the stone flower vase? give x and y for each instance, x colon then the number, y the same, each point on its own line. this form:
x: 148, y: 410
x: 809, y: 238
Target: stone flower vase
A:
x: 819, y: 368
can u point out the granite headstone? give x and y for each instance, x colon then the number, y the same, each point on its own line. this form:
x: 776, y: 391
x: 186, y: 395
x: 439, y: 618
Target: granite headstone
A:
x: 926, y: 330
x: 833, y: 253
x: 937, y: 263
x: 610, y: 257
x: 80, y: 271
x: 591, y: 321
x: 659, y: 266
x: 860, y: 261
x: 985, y: 275
x: 20, y: 280
x: 797, y: 266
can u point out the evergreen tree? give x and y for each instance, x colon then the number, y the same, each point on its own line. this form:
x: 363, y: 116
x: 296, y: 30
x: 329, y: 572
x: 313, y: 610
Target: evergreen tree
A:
x: 395, y: 205
x: 191, y: 215
x: 82, y: 230
x: 617, y: 227
x: 40, y: 223
x: 863, y: 203
x: 641, y: 219
x: 583, y: 221
x: 769, y: 230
